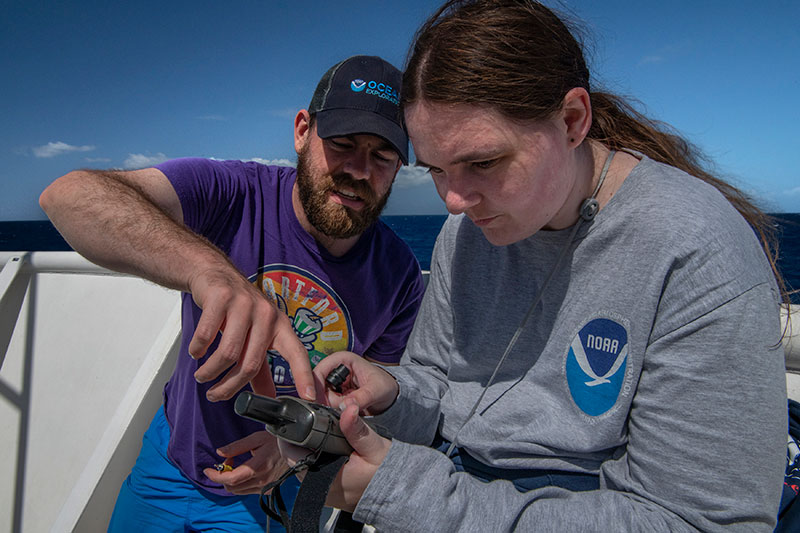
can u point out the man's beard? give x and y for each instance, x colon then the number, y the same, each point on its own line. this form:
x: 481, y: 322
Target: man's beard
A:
x: 329, y: 218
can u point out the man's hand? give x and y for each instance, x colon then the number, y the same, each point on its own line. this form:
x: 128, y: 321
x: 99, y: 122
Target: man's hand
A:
x: 368, y: 385
x: 265, y: 465
x: 133, y: 222
x: 250, y: 325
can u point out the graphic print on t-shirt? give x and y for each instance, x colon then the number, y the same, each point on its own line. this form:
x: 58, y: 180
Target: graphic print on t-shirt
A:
x: 318, y: 315
x: 595, y: 367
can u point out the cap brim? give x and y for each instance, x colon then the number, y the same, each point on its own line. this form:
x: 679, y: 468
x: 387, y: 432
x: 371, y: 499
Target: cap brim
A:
x: 343, y: 122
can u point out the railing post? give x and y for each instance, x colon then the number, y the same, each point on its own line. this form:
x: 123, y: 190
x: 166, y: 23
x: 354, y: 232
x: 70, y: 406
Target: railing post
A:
x: 14, y: 280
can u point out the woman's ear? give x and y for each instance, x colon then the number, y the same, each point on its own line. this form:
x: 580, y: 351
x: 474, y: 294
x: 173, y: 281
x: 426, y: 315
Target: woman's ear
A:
x: 577, y: 115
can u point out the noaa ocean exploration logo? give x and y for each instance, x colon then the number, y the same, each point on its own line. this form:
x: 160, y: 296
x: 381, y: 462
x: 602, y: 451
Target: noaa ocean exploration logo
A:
x: 376, y: 88
x: 596, y: 363
x: 358, y: 85
x: 318, y: 315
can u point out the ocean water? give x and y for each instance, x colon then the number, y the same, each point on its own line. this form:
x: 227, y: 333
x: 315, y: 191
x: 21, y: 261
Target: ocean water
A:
x: 789, y: 251
x: 418, y: 231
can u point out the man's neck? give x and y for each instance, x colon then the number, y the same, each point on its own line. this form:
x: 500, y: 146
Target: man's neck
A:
x: 336, y: 247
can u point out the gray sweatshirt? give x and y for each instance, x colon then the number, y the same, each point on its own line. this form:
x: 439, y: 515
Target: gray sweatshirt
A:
x: 653, y: 360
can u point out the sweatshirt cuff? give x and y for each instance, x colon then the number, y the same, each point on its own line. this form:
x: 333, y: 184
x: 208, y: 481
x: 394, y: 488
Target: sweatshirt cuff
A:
x: 388, y: 501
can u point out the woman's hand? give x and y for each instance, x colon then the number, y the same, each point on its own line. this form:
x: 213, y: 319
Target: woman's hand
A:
x: 369, y: 451
x: 367, y: 385
x: 370, y: 390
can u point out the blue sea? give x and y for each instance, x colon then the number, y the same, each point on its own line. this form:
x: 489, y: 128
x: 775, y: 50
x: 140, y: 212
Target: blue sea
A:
x: 418, y: 231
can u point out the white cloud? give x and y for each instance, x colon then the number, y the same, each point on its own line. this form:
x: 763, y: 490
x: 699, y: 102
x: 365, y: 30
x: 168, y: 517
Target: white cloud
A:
x: 651, y: 59
x: 135, y: 161
x: 792, y: 192
x: 668, y: 52
x: 275, y: 162
x: 407, y: 177
x: 98, y: 160
x: 287, y: 112
x: 411, y: 176
x: 53, y: 149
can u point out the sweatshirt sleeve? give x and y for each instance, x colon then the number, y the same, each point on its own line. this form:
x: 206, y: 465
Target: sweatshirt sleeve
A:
x: 404, y: 304
x: 422, y: 373
x: 703, y: 453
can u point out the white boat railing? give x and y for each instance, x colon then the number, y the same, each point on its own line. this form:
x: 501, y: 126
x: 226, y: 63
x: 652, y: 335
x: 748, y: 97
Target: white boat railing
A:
x: 84, y: 354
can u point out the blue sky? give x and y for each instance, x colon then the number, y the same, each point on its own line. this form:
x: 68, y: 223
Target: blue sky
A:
x: 128, y: 84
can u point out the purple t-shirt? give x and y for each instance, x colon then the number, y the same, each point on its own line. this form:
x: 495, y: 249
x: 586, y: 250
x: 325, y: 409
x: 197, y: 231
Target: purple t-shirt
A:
x: 364, y: 301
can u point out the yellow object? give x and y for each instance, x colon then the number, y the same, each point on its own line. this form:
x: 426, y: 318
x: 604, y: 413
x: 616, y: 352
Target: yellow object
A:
x: 222, y: 467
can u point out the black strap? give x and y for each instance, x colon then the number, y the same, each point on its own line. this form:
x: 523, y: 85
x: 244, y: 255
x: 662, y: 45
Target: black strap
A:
x: 322, y: 470
x: 313, y: 492
x: 346, y: 524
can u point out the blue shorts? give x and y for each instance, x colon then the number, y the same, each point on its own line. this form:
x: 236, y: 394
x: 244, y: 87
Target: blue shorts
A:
x: 158, y: 497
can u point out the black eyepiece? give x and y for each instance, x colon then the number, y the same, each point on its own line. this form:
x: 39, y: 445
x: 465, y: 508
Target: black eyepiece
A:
x: 337, y: 377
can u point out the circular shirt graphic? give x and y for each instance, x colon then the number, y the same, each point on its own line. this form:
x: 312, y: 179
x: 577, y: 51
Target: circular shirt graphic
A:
x: 318, y: 315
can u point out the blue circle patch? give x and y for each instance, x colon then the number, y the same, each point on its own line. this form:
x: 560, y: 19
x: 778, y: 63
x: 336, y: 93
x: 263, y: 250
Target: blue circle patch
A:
x: 596, y: 364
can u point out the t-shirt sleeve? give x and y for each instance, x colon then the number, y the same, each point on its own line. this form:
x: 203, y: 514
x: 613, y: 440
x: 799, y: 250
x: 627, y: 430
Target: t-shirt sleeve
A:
x: 207, y: 190
x: 388, y: 348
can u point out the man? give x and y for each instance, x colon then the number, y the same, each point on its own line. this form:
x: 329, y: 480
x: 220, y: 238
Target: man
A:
x: 268, y: 258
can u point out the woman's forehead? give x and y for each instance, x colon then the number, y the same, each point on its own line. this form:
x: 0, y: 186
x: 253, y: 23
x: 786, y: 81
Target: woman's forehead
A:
x: 461, y: 132
x: 427, y: 109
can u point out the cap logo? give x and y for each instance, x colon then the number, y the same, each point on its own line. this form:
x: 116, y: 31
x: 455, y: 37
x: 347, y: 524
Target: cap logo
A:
x: 382, y: 90
x: 358, y: 85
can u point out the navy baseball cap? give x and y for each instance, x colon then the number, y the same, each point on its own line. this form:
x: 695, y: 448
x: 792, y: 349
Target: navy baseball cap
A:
x: 361, y: 95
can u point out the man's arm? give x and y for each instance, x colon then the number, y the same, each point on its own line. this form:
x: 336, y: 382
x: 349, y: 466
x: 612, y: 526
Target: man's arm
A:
x: 132, y: 222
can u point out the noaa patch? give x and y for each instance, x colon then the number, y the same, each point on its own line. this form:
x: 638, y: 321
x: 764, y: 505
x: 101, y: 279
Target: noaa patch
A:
x: 358, y: 85
x: 596, y: 364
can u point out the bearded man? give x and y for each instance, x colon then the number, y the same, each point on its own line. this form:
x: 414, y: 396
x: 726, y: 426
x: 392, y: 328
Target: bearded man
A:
x: 275, y: 264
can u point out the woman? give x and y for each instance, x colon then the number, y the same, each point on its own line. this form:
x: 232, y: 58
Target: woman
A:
x: 599, y: 344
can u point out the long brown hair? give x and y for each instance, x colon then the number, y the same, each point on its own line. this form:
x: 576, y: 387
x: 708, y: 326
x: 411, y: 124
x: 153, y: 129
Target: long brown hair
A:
x: 520, y: 58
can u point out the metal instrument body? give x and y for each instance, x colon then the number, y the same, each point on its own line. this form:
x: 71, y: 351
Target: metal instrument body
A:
x: 297, y: 421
